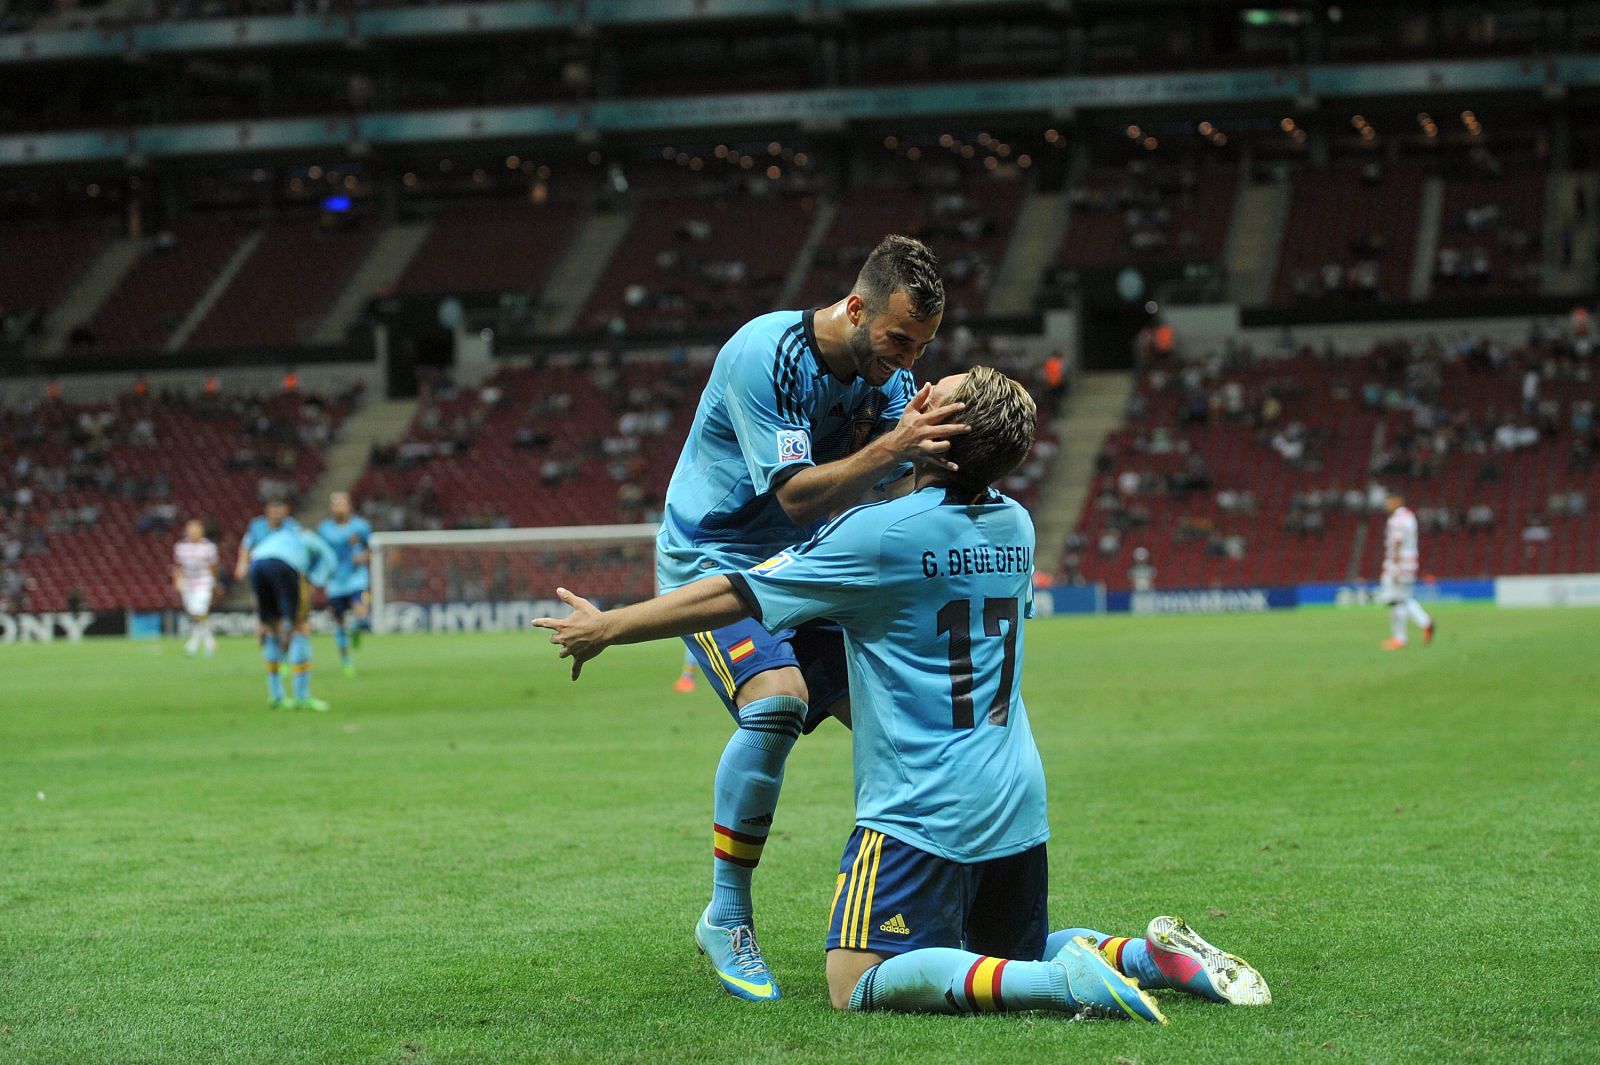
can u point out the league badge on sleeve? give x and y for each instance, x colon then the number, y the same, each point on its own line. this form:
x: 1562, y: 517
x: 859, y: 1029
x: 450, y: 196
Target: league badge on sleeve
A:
x: 773, y: 564
x: 793, y: 446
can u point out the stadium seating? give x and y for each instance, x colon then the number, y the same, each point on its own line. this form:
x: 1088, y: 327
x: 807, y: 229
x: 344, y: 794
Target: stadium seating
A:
x: 712, y: 261
x: 1342, y: 404
x: 155, y: 296
x: 287, y: 284
x: 1499, y: 220
x: 39, y: 263
x: 1344, y: 221
x: 465, y: 456
x: 1148, y: 216
x: 109, y: 560
x: 496, y: 247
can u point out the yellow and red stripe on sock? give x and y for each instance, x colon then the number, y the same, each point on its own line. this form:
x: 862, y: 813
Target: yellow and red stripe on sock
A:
x: 736, y: 847
x: 742, y: 650
x: 982, y: 988
x: 1111, y: 949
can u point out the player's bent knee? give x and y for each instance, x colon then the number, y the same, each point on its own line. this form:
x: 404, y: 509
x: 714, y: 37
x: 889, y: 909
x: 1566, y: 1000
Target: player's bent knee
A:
x: 771, y: 683
x: 844, y: 973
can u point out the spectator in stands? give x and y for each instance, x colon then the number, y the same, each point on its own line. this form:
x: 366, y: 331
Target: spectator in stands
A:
x: 1071, y: 571
x: 1142, y: 575
x: 1290, y: 443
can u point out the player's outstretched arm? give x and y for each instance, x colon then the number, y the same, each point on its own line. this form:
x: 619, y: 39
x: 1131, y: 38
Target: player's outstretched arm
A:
x: 921, y: 438
x: 583, y: 634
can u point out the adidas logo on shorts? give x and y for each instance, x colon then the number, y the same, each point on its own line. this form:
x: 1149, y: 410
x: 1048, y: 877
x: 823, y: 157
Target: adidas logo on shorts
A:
x: 895, y: 924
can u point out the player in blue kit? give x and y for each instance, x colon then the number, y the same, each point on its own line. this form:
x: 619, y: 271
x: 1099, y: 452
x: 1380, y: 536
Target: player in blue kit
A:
x: 281, y: 558
x: 804, y: 414
x: 941, y: 899
x: 349, y: 536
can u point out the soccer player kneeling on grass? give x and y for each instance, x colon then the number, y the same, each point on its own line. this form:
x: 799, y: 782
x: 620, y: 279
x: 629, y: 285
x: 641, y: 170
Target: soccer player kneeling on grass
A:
x: 941, y: 900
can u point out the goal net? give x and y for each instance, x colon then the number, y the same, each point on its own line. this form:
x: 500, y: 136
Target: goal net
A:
x: 482, y: 580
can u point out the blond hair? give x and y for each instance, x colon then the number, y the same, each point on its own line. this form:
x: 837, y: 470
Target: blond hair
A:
x: 1002, y: 416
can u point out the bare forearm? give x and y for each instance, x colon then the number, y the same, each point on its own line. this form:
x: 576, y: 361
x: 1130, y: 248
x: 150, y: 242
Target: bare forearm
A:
x: 815, y: 493
x: 707, y: 604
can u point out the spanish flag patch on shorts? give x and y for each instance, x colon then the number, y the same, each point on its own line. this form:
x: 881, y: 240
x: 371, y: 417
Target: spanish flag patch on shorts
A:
x: 741, y: 650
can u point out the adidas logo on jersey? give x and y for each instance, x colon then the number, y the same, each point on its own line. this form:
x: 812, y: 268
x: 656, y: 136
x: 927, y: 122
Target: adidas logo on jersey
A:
x: 895, y: 924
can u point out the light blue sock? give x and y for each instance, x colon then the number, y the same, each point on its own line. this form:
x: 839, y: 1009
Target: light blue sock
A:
x: 341, y: 640
x: 272, y: 654
x: 946, y: 980
x: 300, y: 663
x: 748, y: 780
x: 1128, y: 955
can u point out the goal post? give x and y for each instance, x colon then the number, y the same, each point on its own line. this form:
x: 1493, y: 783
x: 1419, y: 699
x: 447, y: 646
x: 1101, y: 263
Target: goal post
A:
x: 475, y: 580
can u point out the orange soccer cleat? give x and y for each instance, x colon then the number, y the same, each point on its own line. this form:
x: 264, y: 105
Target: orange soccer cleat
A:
x: 1392, y: 644
x: 684, y: 684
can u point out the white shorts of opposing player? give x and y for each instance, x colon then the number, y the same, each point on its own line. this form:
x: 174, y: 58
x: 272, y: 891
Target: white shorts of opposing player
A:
x: 1398, y: 589
x: 197, y: 604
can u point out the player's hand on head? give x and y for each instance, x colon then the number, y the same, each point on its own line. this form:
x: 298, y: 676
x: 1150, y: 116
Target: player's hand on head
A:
x: 924, y: 431
x: 579, y: 634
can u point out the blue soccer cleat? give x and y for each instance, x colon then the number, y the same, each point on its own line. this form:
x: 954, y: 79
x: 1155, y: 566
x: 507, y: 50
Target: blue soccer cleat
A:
x: 1101, y: 991
x: 1191, y: 964
x: 736, y: 960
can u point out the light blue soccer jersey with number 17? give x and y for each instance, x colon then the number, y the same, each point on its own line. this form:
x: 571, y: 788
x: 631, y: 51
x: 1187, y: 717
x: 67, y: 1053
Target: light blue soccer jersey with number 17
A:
x: 931, y: 596
x: 771, y: 409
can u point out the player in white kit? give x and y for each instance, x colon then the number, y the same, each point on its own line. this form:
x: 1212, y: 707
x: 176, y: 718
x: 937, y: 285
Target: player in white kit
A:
x: 1398, y: 580
x: 194, y: 575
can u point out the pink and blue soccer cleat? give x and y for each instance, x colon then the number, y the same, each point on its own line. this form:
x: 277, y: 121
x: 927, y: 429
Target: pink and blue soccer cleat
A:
x: 1099, y: 989
x: 1191, y: 964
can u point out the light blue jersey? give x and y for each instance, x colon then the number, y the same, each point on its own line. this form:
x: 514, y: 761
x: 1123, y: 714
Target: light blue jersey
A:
x: 300, y: 548
x: 931, y: 597
x: 259, y: 530
x: 770, y: 409
x: 347, y: 540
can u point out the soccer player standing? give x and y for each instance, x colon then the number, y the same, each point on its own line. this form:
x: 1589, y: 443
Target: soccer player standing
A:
x: 941, y: 900
x: 349, y: 535
x: 804, y: 414
x: 194, y: 575
x: 280, y: 558
x: 1398, y: 578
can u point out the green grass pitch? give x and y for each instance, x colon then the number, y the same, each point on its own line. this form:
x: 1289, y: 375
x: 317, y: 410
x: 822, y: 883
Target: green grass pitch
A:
x: 472, y: 859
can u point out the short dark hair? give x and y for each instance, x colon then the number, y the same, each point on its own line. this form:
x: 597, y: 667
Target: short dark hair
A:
x: 902, y: 264
x: 1002, y: 415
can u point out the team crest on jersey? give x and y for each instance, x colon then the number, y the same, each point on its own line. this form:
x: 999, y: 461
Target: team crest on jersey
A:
x: 773, y: 564
x: 793, y: 446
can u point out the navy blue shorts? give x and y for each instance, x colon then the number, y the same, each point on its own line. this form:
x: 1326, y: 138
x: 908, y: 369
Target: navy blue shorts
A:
x: 732, y: 655
x: 343, y: 604
x: 281, y: 594
x: 892, y: 898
